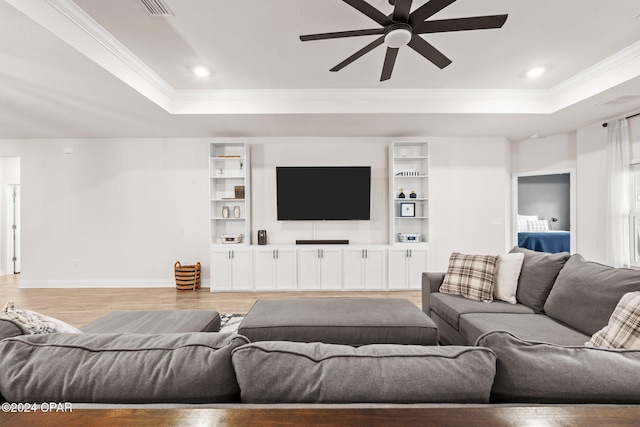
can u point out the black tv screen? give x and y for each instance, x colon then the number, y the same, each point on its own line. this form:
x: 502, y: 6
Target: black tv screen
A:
x: 323, y: 192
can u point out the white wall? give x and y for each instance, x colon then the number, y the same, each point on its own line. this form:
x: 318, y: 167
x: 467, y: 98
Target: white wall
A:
x: 120, y: 212
x: 555, y: 152
x: 470, y: 197
x: 117, y: 212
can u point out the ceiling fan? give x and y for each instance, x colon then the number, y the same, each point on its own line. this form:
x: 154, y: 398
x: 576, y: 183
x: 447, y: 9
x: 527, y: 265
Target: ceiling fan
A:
x: 403, y: 27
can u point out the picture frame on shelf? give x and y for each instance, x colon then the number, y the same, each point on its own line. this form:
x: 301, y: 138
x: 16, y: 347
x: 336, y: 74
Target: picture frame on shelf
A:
x: 407, y: 210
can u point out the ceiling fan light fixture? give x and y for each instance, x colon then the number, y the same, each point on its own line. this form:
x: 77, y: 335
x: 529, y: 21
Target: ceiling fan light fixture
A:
x: 397, y: 38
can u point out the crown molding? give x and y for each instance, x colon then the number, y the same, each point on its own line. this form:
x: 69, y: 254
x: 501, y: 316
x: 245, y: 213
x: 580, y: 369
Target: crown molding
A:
x: 85, y: 34
x: 87, y: 24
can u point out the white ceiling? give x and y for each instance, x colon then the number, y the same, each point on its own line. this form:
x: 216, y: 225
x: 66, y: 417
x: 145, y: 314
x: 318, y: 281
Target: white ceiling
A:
x: 102, y: 69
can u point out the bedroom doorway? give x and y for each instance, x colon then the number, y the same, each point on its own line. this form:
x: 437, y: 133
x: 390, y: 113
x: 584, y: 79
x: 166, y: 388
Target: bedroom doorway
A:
x: 544, y: 214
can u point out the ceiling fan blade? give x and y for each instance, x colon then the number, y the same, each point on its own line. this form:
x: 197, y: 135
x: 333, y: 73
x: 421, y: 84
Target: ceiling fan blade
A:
x: 358, y: 54
x: 389, y: 62
x: 425, y: 49
x: 461, y: 24
x: 427, y: 10
x: 324, y: 36
x: 401, y: 10
x: 370, y: 11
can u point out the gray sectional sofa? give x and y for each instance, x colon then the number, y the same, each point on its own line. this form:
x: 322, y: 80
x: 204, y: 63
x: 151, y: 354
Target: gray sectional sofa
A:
x: 540, y: 341
x: 122, y: 359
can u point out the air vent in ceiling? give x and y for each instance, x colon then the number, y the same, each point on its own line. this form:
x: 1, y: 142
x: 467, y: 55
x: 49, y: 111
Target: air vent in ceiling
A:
x: 622, y: 99
x: 156, y: 7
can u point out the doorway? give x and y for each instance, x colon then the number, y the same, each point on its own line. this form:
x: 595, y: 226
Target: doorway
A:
x: 12, y: 203
x: 10, y: 229
x: 549, y: 196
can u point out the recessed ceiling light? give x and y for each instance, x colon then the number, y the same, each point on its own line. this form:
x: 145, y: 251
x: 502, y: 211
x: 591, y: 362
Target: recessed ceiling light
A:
x: 535, y: 72
x: 201, y: 71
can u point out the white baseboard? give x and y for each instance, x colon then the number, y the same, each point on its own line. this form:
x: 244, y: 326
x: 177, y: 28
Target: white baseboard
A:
x: 77, y: 284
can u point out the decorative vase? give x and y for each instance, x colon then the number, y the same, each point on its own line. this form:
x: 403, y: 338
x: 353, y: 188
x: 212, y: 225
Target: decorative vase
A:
x: 225, y: 212
x: 401, y: 195
x: 236, y: 211
x: 413, y: 195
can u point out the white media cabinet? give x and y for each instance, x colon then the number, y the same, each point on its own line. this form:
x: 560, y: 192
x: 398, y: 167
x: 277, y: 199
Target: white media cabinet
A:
x: 317, y: 268
x: 322, y: 267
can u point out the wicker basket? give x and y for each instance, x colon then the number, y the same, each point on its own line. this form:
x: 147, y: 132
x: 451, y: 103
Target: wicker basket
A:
x: 187, y: 276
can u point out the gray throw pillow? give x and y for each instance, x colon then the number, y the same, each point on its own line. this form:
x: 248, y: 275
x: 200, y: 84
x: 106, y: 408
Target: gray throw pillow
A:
x: 293, y: 372
x: 533, y: 372
x: 538, y: 274
x: 119, y: 368
x: 586, y: 293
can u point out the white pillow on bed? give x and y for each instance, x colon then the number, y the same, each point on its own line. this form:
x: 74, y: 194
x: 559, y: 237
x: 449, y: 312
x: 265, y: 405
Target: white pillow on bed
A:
x: 506, y: 284
x: 539, y: 225
x: 522, y: 221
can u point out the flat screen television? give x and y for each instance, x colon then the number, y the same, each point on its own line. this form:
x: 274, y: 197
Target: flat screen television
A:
x: 323, y: 192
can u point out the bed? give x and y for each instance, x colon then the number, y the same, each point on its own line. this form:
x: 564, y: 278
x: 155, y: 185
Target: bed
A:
x: 545, y: 241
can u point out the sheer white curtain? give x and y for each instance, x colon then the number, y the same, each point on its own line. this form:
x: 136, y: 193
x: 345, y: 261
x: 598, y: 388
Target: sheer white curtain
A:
x: 618, y: 211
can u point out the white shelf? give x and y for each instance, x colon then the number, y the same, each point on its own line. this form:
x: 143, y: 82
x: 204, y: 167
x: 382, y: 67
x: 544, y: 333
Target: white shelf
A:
x: 411, y: 157
x: 411, y: 217
x: 233, y: 159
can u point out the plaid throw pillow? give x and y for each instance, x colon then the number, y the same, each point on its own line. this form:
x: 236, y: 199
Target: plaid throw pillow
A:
x: 623, y: 330
x: 471, y: 276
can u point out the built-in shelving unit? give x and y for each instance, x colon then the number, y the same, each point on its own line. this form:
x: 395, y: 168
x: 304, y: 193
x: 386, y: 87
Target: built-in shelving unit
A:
x: 230, y: 195
x: 409, y: 175
x: 247, y: 267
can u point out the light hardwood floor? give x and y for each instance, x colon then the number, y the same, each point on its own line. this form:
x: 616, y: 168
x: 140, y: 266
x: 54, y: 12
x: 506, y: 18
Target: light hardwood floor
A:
x: 80, y: 306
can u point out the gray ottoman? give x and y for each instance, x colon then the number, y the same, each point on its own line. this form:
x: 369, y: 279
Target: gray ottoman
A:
x: 349, y: 321
x: 154, y: 322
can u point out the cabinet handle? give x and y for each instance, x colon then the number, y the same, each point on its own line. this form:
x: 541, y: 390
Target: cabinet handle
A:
x: 273, y: 254
x: 229, y: 254
x: 366, y: 253
x: 277, y: 254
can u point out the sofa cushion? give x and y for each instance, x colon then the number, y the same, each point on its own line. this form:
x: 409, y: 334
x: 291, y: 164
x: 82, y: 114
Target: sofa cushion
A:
x: 506, y: 285
x: 113, y: 368
x: 450, y: 307
x: 10, y: 328
x: 533, y: 327
x: 471, y: 276
x: 623, y: 329
x: 292, y: 372
x: 586, y: 293
x: 533, y: 372
x: 35, y: 323
x: 539, y: 272
x: 155, y: 322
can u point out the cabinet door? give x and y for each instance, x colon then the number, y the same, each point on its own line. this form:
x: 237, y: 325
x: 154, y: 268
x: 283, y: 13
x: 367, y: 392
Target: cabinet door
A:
x: 373, y: 269
x: 220, y: 271
x: 285, y: 269
x: 353, y: 269
x: 309, y: 269
x: 397, y: 266
x: 241, y: 270
x: 264, y: 269
x: 330, y: 269
x: 417, y: 264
